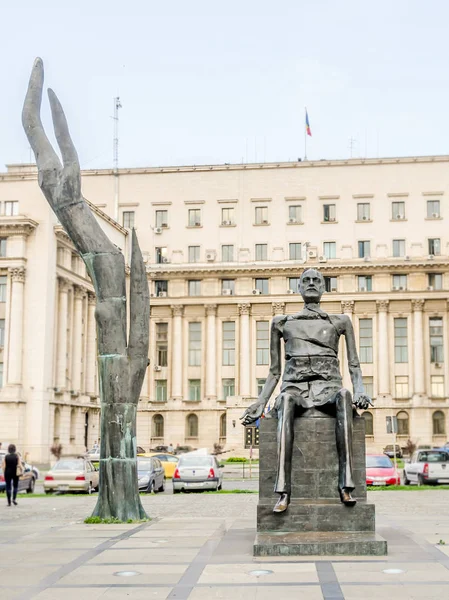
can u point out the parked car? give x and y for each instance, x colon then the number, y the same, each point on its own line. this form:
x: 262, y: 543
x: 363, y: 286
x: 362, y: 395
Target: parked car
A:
x: 72, y: 475
x: 93, y: 455
x: 427, y: 467
x: 197, y: 472
x: 150, y: 473
x: 380, y: 470
x: 169, y: 461
x: 183, y: 449
x: 26, y: 481
x: 389, y: 451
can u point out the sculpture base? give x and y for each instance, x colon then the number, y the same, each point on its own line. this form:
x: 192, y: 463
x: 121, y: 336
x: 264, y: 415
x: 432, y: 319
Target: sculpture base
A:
x: 319, y: 544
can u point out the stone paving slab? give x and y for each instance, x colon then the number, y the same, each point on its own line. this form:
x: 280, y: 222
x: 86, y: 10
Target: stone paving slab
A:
x: 200, y: 547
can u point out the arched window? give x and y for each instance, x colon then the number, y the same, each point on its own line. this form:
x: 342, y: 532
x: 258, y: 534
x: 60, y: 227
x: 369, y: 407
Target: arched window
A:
x: 158, y: 426
x: 403, y: 423
x: 223, y: 425
x: 73, y: 425
x: 369, y: 425
x: 57, y: 424
x: 192, y: 426
x: 439, y: 423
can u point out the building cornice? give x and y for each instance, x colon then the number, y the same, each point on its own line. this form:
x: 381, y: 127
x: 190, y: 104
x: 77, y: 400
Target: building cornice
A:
x: 20, y: 225
x: 27, y: 172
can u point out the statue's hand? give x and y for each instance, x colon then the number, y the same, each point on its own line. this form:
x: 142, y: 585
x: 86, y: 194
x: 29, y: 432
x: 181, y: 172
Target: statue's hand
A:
x: 253, y: 413
x: 362, y: 401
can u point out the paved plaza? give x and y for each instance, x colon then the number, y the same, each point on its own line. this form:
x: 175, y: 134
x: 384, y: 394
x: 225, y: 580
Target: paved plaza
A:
x: 199, y: 546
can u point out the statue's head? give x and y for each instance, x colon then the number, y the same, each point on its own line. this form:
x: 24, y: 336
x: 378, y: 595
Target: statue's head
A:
x: 311, y: 285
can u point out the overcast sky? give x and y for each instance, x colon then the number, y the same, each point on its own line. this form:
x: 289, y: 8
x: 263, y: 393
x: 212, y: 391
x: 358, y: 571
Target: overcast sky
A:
x: 213, y: 82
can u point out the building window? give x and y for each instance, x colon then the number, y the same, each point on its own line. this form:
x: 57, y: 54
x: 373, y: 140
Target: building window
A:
x: 57, y: 424
x: 227, y: 253
x: 157, y: 426
x: 260, y: 384
x: 11, y: 208
x: 261, y: 251
x: 329, y: 213
x: 262, y: 343
x: 368, y: 385
x: 437, y: 386
x: 438, y: 423
x: 194, y: 217
x: 2, y: 246
x: 293, y: 284
x: 262, y: 285
x: 398, y: 248
x: 294, y: 214
x: 161, y: 287
x: 366, y: 340
x: 261, y: 213
x: 363, y: 214
x: 223, y: 426
x: 403, y: 423
x: 330, y: 249
x: 435, y: 281
x: 228, y: 287
x: 364, y: 247
x: 399, y: 282
x: 330, y: 284
x: 161, y: 391
x: 397, y: 210
x: 192, y: 426
x: 436, y: 340
x: 162, y: 218
x: 228, y: 343
x: 161, y: 255
x: 434, y: 246
x: 1, y: 375
x: 365, y: 283
x: 251, y: 437
x: 73, y: 425
x: 161, y: 344
x: 2, y: 333
x: 401, y: 386
x: 294, y: 251
x: 228, y: 387
x: 194, y: 287
x: 369, y: 424
x: 194, y: 254
x: 128, y: 219
x: 400, y: 341
x: 194, y: 390
x: 227, y: 216
x: 3, y: 283
x: 194, y: 344
x: 433, y: 209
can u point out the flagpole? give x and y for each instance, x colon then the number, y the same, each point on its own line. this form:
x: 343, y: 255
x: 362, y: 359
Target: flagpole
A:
x: 305, y: 133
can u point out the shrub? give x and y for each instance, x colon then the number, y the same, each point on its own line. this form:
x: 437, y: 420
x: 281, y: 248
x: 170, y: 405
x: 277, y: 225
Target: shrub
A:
x: 237, y: 459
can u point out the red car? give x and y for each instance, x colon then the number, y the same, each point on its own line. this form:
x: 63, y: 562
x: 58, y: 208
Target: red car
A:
x: 380, y: 470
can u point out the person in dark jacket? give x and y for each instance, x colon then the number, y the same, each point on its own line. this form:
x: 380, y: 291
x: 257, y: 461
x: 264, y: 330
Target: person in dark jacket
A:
x: 11, y: 465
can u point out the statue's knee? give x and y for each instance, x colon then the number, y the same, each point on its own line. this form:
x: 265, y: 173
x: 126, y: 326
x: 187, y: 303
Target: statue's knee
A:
x: 344, y: 397
x: 284, y: 401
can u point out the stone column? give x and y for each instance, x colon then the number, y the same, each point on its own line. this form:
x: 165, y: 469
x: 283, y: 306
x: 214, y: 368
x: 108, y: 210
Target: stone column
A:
x: 79, y: 295
x: 177, y: 351
x: 347, y: 308
x: 91, y: 346
x: 16, y: 326
x: 383, y: 372
x: 245, y: 351
x: 211, y: 349
x: 278, y: 308
x: 418, y: 347
x: 63, y: 308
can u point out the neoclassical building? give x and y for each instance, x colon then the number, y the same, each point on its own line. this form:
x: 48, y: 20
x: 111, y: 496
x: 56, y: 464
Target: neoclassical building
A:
x: 224, y: 247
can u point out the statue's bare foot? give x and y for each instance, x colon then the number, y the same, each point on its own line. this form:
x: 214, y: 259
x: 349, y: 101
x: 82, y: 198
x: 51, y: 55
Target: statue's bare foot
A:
x: 346, y: 498
x: 282, y: 503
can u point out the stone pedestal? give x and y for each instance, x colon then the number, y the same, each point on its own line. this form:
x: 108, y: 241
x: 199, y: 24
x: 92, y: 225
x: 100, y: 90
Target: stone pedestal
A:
x: 316, y: 523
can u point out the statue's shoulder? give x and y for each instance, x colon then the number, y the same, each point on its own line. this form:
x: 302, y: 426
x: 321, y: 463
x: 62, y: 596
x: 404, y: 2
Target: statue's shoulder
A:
x: 279, y: 320
x: 340, y: 320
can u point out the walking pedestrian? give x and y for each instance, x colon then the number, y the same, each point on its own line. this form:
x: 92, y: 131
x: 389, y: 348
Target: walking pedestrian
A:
x: 12, y: 469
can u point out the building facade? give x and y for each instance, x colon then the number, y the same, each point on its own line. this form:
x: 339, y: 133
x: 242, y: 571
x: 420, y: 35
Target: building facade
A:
x: 224, y: 247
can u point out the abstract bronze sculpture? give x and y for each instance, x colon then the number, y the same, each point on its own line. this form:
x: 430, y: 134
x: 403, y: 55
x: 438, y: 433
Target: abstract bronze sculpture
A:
x: 122, y: 358
x: 311, y: 379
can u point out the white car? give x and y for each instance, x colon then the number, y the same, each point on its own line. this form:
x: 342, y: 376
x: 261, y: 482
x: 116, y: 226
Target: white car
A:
x: 427, y: 467
x: 196, y: 471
